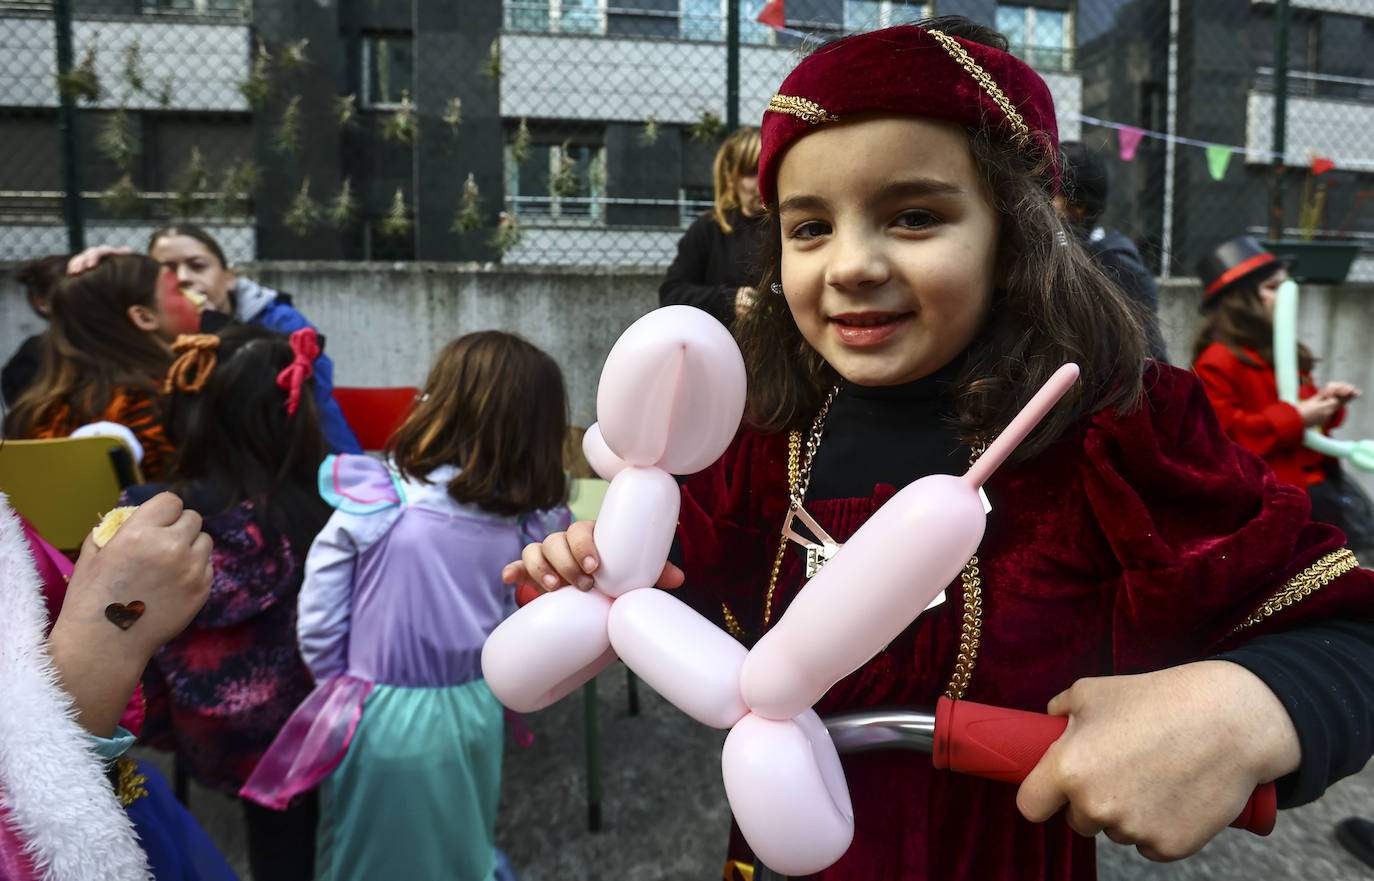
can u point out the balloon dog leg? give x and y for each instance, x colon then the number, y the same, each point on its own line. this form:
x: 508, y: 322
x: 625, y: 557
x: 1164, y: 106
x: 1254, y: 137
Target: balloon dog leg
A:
x: 548, y: 648
x: 787, y: 791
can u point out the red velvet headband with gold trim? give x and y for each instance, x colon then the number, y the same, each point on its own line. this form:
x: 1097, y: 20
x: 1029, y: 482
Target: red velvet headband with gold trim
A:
x: 912, y: 72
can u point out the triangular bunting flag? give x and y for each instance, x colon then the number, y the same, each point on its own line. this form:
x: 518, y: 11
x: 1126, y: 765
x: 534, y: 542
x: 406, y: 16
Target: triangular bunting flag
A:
x: 1321, y: 165
x: 1218, y: 158
x: 1130, y: 139
x: 773, y: 14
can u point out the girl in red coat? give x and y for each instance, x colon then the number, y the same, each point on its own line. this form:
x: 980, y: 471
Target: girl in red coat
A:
x: 1234, y: 356
x: 921, y: 288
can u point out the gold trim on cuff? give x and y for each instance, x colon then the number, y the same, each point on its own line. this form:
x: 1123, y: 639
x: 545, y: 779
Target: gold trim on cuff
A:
x: 1308, y: 581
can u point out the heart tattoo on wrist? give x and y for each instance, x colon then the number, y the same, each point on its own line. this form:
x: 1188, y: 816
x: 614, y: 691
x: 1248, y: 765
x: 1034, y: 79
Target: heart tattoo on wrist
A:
x: 124, y: 615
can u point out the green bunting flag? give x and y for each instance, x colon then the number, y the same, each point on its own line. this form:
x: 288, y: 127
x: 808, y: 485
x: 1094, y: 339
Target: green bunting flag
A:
x: 1218, y: 157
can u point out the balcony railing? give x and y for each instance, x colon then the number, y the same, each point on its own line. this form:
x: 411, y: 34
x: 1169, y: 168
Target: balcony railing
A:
x: 1306, y: 84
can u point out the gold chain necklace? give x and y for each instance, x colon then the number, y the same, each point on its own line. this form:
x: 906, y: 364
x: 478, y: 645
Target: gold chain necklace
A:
x: 798, y: 480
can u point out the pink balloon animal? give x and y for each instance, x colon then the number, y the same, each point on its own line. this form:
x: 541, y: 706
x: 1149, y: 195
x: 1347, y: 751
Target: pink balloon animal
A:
x: 670, y: 399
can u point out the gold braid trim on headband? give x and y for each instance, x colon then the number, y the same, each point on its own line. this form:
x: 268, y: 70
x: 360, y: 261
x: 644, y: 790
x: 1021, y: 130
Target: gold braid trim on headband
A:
x: 191, y: 370
x: 984, y: 80
x: 807, y: 111
x: 1308, y: 581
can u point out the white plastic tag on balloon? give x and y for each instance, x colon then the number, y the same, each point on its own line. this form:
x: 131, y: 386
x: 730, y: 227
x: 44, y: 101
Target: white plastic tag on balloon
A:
x: 987, y: 505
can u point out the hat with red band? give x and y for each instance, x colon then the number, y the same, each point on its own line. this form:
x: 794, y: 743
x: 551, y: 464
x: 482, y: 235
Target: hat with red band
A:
x: 1232, y: 262
x: 911, y: 71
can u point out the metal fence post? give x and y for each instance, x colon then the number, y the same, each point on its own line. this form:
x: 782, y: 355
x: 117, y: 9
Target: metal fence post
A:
x: 732, y: 66
x: 1283, y: 17
x: 66, y: 129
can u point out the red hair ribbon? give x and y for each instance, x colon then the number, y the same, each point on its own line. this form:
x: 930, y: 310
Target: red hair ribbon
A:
x: 306, y: 344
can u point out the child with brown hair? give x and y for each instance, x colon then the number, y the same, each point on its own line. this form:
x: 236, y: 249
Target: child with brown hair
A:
x: 105, y: 354
x: 401, y: 589
x: 922, y: 289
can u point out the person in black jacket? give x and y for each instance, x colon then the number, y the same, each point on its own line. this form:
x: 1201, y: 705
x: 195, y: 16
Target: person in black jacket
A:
x: 715, y: 257
x: 37, y: 277
x: 1081, y: 200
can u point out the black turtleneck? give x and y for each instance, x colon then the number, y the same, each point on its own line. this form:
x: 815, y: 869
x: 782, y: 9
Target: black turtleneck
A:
x: 888, y: 434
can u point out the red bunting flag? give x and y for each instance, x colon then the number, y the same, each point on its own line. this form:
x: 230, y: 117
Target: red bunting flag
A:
x: 1321, y: 165
x: 773, y: 15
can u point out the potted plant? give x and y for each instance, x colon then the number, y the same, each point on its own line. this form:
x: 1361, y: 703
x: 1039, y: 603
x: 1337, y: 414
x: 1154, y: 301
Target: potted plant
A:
x: 1314, y: 259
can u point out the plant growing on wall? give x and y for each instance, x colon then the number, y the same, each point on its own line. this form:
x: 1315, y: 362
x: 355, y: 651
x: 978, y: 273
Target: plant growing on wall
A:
x: 81, y: 83
x: 492, y: 66
x: 649, y: 135
x: 303, y: 214
x: 469, y: 216
x: 520, y: 147
x: 507, y: 234
x: 116, y: 140
x: 255, y: 87
x: 193, y: 181
x: 286, y: 137
x: 397, y: 222
x: 293, y: 55
x: 402, y: 125
x: 133, y: 66
x: 453, y: 115
x: 122, y: 198
x: 237, y: 186
x: 346, y: 110
x: 564, y: 181
x: 343, y: 209
x: 707, y: 129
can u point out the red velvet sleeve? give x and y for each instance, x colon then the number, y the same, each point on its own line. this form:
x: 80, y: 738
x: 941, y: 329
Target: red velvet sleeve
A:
x: 1274, y: 426
x: 1212, y: 548
x: 728, y: 527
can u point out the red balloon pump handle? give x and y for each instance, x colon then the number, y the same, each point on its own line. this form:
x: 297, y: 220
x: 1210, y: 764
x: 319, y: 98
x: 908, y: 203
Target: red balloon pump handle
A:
x: 1003, y: 744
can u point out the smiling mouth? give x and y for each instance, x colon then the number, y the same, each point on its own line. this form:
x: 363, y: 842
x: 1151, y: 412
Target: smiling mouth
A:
x: 868, y: 319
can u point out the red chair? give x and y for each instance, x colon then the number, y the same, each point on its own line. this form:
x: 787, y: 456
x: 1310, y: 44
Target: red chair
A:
x: 374, y: 413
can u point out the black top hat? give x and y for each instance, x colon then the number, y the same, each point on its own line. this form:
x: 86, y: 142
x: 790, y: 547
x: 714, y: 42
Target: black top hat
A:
x: 1233, y: 262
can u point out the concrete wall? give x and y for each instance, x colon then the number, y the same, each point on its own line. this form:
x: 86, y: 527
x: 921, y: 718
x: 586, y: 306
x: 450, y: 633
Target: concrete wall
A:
x: 384, y: 322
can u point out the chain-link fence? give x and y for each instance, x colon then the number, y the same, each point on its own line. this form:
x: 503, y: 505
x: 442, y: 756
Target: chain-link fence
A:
x: 582, y: 131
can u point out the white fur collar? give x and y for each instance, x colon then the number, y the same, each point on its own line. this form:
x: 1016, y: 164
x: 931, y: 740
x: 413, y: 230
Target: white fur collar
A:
x: 51, y: 781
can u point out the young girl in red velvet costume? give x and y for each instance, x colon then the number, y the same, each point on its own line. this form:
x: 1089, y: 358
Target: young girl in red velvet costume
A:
x: 922, y: 290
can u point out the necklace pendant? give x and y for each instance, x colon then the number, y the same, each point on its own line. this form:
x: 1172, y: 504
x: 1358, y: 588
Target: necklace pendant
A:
x: 817, y: 555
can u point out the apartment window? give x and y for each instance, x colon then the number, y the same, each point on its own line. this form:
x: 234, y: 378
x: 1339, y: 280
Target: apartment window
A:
x: 388, y: 67
x: 705, y: 20
x: 558, y: 182
x: 695, y: 199
x: 869, y: 15
x: 1043, y: 38
x: 197, y: 7
x: 556, y: 16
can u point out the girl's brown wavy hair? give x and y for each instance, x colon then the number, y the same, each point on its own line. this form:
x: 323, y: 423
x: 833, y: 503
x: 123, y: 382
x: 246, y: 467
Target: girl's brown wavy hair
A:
x: 91, y: 348
x: 495, y: 406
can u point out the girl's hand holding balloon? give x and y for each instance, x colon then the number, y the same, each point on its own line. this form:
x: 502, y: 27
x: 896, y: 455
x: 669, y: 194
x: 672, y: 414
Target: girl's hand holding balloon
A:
x: 1162, y: 760
x: 568, y: 559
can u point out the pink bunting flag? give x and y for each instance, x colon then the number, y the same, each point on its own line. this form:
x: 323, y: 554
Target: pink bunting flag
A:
x: 1218, y: 158
x: 1130, y: 137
